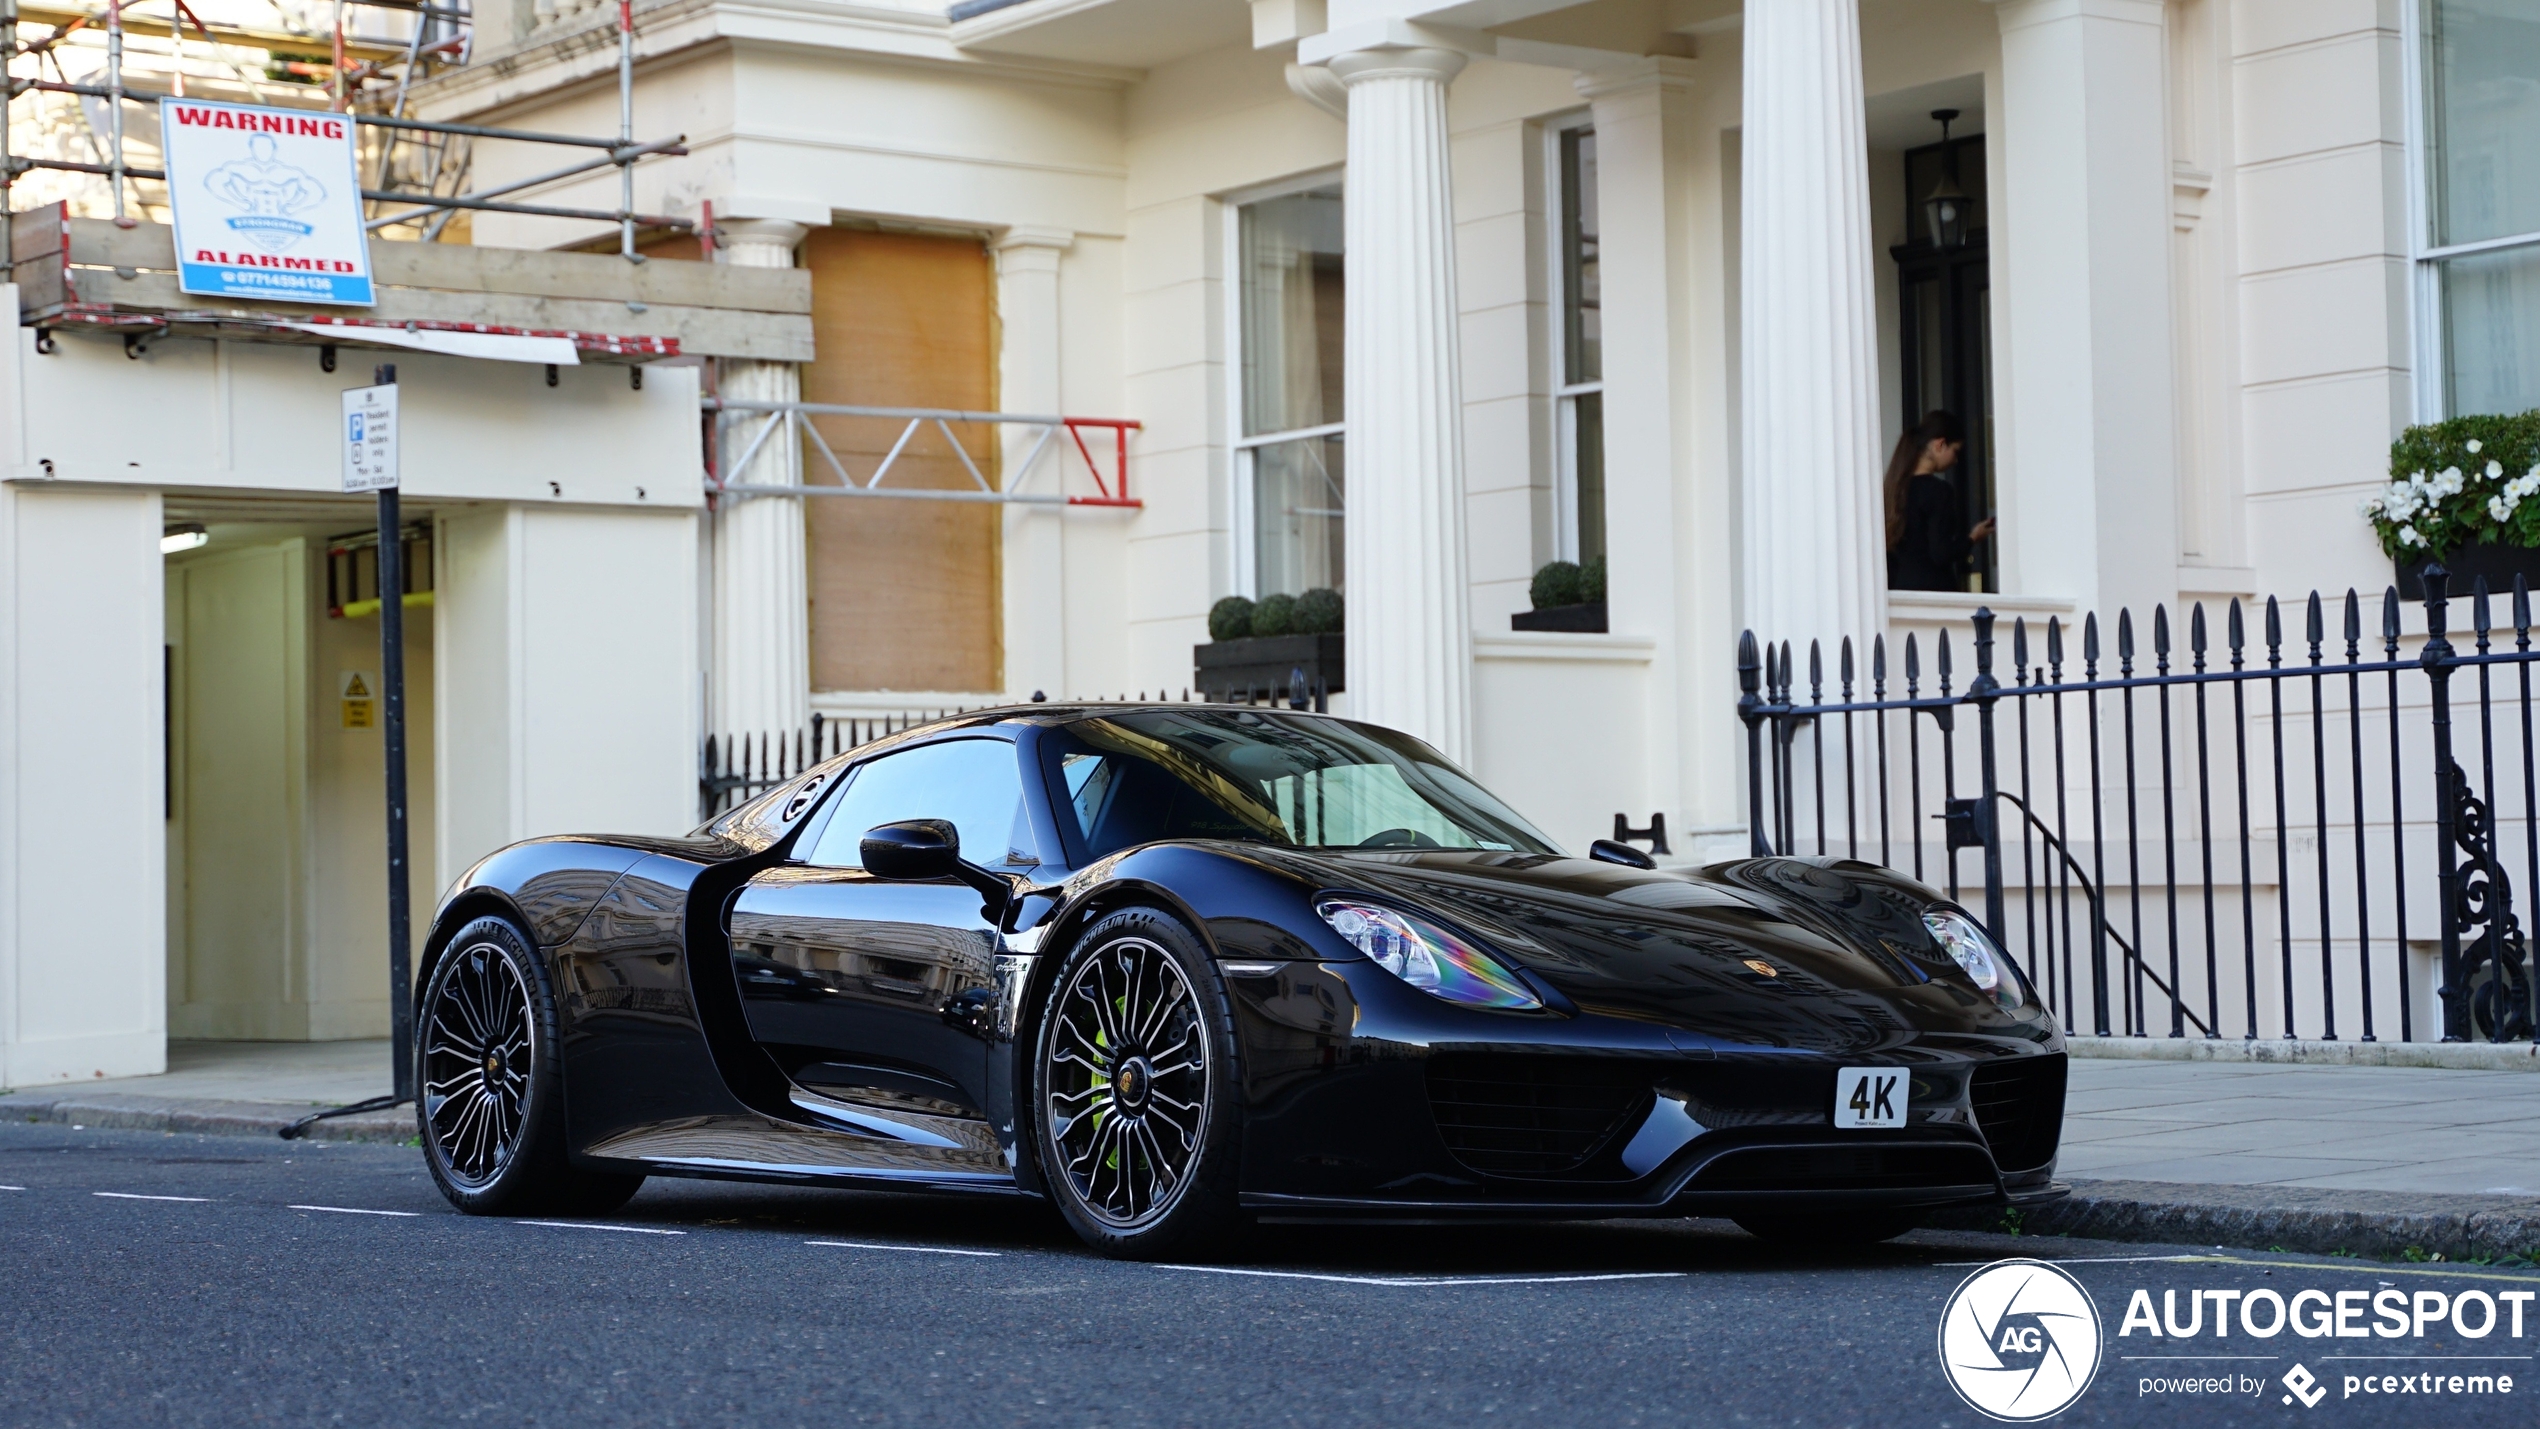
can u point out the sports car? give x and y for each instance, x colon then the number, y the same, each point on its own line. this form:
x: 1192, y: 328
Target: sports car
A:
x: 1177, y: 968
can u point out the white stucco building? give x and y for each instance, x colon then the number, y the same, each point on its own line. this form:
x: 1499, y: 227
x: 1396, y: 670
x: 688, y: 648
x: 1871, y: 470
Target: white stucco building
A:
x: 1410, y: 297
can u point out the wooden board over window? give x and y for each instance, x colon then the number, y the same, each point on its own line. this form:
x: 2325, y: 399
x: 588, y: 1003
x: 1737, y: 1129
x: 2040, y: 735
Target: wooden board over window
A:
x: 904, y: 594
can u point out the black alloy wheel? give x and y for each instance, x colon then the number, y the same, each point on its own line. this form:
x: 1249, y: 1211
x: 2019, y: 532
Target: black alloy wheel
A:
x: 1135, y: 1090
x: 490, y: 1106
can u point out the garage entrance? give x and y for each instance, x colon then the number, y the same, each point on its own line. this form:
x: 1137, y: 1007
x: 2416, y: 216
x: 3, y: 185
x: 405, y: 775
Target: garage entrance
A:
x: 276, y: 842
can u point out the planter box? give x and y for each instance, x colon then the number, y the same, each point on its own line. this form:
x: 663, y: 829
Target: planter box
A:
x: 2498, y: 563
x: 1269, y: 665
x: 1586, y: 619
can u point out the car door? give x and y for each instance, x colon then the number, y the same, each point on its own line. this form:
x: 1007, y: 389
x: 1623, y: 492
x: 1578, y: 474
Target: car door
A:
x: 866, y: 991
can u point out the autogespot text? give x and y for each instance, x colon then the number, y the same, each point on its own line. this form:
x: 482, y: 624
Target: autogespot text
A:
x: 2468, y: 1343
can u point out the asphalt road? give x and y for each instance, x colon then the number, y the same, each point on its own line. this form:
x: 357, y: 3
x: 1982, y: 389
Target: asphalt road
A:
x: 151, y: 1279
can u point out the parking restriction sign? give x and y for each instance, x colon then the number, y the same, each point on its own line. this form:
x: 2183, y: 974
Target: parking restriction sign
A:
x: 370, y: 438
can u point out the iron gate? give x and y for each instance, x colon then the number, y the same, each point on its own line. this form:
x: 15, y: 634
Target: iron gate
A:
x: 2268, y: 837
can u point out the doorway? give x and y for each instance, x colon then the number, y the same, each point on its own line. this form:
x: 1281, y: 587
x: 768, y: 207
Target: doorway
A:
x: 1945, y: 328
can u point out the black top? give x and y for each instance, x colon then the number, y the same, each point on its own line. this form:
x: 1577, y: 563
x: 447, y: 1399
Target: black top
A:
x: 1932, y: 552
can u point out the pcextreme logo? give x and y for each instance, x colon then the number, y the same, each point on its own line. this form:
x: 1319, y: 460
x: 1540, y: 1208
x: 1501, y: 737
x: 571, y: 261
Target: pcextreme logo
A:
x: 2019, y: 1340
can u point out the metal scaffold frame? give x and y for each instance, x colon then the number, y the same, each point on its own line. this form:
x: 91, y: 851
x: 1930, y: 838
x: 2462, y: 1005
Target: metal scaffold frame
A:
x: 796, y: 416
x: 345, y: 89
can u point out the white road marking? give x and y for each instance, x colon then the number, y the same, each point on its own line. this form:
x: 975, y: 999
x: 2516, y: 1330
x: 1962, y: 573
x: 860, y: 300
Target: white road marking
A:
x: 1433, y: 1280
x: 355, y: 1211
x: 129, y: 1196
x: 596, y: 1226
x: 918, y: 1249
x: 2090, y: 1260
x: 12, y: 1188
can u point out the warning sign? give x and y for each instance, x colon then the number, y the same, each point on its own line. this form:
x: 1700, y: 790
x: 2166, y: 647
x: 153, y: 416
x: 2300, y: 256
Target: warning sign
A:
x: 268, y: 202
x: 361, y: 707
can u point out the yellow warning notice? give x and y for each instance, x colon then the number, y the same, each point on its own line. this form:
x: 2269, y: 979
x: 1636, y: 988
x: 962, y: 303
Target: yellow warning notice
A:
x: 360, y: 708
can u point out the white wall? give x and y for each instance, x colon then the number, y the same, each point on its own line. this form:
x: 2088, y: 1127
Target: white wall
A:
x: 567, y: 668
x: 82, y: 881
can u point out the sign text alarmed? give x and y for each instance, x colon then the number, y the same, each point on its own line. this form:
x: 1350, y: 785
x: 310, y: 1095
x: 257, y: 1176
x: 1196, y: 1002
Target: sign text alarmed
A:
x: 369, y: 436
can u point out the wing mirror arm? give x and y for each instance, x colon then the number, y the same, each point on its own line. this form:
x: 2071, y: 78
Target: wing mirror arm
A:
x: 922, y: 850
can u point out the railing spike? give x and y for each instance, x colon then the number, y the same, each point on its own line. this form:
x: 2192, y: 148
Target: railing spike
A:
x: 2354, y: 620
x: 2275, y: 632
x: 2314, y: 626
x: 2522, y: 613
x: 2125, y: 638
x: 2090, y: 638
x: 2019, y: 649
x: 2478, y: 608
x: 2161, y: 633
x: 1845, y: 659
x: 2196, y: 632
x: 1878, y: 659
x: 1940, y: 659
x: 2236, y: 630
x: 1913, y: 661
x: 1816, y: 673
x: 2390, y: 615
x: 1750, y: 664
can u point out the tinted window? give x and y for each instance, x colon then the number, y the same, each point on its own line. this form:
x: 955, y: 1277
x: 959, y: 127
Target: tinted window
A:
x: 972, y: 782
x: 1203, y: 773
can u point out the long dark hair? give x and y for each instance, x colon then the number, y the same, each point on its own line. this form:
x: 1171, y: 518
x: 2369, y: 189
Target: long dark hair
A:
x: 1936, y: 426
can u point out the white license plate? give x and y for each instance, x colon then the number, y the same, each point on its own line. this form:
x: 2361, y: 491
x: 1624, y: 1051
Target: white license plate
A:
x: 1870, y: 1096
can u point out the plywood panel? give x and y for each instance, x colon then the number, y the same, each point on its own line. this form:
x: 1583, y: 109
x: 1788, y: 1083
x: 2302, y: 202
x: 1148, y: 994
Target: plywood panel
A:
x: 904, y: 594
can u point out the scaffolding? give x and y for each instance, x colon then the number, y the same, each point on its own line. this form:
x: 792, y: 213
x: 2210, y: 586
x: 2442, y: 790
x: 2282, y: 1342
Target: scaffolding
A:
x: 730, y: 415
x: 366, y: 80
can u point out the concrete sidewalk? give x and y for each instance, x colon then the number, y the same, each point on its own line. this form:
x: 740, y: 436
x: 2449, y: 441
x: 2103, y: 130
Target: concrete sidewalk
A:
x: 2369, y: 1159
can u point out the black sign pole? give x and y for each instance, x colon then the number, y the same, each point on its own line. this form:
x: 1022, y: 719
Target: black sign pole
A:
x: 392, y: 679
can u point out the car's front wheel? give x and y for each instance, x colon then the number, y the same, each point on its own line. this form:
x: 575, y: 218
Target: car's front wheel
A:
x: 1135, y: 1092
x: 490, y: 1090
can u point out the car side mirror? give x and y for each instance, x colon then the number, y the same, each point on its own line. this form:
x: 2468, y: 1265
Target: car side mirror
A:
x: 1608, y: 851
x: 922, y: 850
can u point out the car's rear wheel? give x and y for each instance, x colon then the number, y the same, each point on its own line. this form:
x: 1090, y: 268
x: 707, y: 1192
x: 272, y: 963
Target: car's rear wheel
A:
x: 490, y: 1090
x: 1830, y: 1231
x: 1135, y: 1092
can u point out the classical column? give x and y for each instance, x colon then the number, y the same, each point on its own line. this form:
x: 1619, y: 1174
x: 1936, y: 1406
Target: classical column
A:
x: 2085, y: 378
x: 1028, y: 373
x: 762, y: 616
x: 1410, y: 622
x: 1815, y: 544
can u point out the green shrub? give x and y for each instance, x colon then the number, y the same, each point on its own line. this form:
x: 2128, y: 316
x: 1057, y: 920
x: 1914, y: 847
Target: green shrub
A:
x: 2458, y: 482
x: 1557, y: 584
x: 1230, y: 619
x: 1274, y: 615
x: 1592, y: 581
x: 1318, y: 611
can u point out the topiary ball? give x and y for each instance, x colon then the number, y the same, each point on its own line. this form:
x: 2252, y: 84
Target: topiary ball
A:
x: 1557, y: 584
x: 1275, y: 615
x: 1230, y: 619
x: 1592, y: 581
x: 1318, y: 611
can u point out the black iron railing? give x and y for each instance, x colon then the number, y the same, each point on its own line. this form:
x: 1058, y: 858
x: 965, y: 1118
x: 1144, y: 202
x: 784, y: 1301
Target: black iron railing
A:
x: 2257, y: 837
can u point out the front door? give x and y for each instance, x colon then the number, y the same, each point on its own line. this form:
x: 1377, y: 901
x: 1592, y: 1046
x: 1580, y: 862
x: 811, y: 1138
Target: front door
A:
x: 868, y: 992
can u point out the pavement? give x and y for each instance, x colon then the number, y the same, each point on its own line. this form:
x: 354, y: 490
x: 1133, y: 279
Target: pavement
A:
x: 164, y: 1278
x: 2384, y: 1160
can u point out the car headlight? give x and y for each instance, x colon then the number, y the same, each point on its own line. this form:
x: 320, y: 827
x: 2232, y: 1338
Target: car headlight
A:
x: 1426, y: 956
x: 1986, y: 964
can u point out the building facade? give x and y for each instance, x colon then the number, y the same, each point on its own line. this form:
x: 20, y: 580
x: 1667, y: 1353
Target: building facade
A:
x: 1410, y: 298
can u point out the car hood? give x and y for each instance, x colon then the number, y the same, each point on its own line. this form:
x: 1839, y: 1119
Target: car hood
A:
x: 1801, y: 954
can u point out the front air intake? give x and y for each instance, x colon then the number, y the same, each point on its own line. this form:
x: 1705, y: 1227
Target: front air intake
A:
x: 2019, y: 1106
x: 1531, y: 1116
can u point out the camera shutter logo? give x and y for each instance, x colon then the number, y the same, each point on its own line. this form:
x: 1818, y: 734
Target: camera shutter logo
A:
x: 2020, y: 1340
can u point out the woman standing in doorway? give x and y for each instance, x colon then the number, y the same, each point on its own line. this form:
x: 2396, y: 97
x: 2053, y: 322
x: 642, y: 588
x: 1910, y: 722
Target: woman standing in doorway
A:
x: 1927, y: 539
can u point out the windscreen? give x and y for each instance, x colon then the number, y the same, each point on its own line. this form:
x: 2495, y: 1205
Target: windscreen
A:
x: 1213, y: 772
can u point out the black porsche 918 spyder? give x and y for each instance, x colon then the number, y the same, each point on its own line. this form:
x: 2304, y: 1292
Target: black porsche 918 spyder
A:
x: 1176, y: 967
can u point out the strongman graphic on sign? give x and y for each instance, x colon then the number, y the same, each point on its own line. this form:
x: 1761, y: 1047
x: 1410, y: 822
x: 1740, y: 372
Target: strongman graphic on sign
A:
x: 269, y: 191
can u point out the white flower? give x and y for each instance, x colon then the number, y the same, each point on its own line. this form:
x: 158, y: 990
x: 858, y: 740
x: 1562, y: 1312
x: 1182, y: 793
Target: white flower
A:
x: 2501, y: 508
x: 2476, y: 446
x: 2449, y: 482
x: 2369, y: 507
x: 2408, y: 536
x: 2495, y: 469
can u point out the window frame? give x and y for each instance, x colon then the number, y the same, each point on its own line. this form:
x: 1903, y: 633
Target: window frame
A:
x: 2432, y: 384
x: 1241, y: 527
x: 1565, y: 393
x: 815, y: 827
